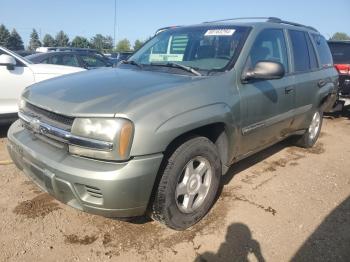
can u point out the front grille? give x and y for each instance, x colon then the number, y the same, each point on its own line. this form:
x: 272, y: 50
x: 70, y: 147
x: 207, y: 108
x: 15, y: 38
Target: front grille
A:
x: 55, y: 119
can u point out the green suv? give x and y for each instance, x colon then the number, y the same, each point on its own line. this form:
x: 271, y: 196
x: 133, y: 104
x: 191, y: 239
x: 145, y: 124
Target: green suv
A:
x: 155, y: 135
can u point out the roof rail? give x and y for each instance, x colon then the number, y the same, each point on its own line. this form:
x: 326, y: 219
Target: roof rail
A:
x: 165, y: 28
x: 244, y: 18
x: 280, y: 21
x: 267, y: 19
x: 44, y: 49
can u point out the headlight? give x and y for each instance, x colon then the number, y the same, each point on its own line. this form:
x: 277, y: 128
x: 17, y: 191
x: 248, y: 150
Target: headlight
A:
x: 21, y: 104
x: 118, y: 131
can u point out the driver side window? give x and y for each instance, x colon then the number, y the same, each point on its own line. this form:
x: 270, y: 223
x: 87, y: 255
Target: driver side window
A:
x: 270, y: 45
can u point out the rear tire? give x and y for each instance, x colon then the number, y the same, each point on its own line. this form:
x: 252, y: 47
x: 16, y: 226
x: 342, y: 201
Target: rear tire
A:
x: 189, y: 182
x: 309, y: 138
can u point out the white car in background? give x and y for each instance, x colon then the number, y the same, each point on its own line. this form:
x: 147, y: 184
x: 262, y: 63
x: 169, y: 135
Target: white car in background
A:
x: 16, y: 73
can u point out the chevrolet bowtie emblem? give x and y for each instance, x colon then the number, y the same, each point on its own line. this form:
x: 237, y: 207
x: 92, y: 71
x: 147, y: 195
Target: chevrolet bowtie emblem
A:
x: 34, y: 125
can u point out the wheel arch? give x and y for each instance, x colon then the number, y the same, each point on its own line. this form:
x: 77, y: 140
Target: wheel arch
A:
x: 217, y: 133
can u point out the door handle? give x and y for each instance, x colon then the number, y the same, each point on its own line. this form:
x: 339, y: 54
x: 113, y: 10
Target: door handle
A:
x: 321, y: 83
x: 288, y: 90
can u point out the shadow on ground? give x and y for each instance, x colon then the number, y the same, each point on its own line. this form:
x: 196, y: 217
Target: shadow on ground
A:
x: 246, y: 163
x: 331, y: 240
x: 3, y: 130
x: 345, y: 113
x: 238, y: 245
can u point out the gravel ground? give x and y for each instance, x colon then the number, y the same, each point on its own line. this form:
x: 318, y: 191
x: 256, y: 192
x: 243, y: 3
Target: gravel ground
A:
x: 282, y: 204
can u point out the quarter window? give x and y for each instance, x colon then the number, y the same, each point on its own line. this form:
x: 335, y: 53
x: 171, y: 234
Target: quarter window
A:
x: 323, y: 50
x: 270, y: 45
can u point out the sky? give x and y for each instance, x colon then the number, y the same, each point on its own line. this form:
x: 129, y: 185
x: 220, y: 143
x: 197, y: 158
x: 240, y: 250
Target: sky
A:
x: 140, y: 19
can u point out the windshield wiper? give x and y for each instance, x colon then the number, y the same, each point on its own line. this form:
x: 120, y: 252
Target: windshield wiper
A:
x: 132, y: 62
x: 176, y: 65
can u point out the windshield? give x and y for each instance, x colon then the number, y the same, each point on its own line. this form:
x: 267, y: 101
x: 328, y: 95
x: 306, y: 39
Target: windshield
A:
x: 340, y: 52
x: 201, y: 48
x: 33, y: 56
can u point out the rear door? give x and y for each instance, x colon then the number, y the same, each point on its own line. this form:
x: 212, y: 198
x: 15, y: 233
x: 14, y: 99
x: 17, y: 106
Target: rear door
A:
x: 329, y: 78
x: 266, y: 108
x: 309, y: 76
x: 12, y: 83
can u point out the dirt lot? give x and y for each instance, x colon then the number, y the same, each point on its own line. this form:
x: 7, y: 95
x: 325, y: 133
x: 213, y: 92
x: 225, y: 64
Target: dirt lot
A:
x: 282, y: 204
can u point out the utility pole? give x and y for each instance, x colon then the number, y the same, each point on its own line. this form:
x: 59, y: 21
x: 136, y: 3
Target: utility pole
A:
x: 115, y: 23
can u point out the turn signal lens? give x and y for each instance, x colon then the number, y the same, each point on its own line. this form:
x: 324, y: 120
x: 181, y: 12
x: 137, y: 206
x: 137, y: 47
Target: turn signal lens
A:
x: 125, y: 139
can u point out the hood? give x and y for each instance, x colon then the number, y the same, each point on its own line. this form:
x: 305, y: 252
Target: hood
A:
x: 103, y: 92
x: 54, y: 69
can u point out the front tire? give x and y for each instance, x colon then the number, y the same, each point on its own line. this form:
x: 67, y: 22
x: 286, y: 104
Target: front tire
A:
x: 309, y: 138
x: 189, y: 183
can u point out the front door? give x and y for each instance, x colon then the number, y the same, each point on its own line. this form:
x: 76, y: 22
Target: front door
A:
x: 12, y: 84
x: 267, y: 105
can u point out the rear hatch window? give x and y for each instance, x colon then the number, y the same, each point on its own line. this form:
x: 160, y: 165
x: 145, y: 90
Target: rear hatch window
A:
x: 340, y: 52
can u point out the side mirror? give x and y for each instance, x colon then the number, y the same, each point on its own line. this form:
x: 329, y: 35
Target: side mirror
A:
x: 8, y: 61
x: 265, y: 70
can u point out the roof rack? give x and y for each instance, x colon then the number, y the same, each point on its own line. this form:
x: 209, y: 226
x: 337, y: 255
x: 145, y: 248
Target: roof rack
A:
x: 267, y: 19
x: 242, y: 18
x: 44, y: 49
x: 280, y: 21
x: 165, y: 28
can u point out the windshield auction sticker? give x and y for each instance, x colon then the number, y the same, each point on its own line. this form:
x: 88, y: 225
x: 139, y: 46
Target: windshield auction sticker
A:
x: 220, y: 32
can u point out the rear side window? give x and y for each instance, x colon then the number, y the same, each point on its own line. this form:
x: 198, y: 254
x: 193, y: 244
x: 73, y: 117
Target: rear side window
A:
x: 65, y: 59
x: 45, y: 61
x: 312, y: 53
x: 323, y: 50
x: 300, y: 51
x: 70, y: 60
x: 270, y: 45
x: 340, y: 52
x: 92, y: 61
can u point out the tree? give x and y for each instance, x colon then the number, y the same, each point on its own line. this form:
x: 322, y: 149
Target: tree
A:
x: 49, y: 41
x: 340, y: 36
x: 81, y: 42
x: 15, y: 41
x: 108, y: 46
x: 97, y: 42
x: 123, y: 45
x: 101, y: 42
x: 34, y: 41
x: 138, y: 44
x: 4, y: 36
x: 62, y: 39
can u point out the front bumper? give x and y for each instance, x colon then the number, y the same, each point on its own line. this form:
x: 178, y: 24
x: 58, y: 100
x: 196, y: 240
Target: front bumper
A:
x: 104, y: 188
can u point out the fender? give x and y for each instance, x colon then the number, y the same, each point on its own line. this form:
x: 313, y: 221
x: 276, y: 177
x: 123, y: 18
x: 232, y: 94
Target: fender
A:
x: 157, y: 140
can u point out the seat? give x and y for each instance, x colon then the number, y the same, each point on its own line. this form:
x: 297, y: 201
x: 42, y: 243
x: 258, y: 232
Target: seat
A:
x: 205, y: 51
